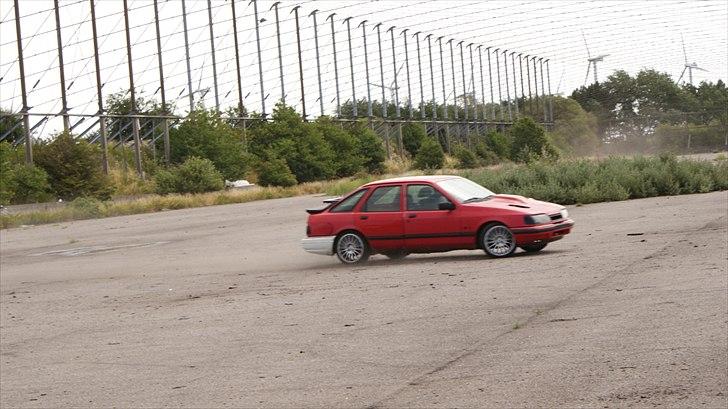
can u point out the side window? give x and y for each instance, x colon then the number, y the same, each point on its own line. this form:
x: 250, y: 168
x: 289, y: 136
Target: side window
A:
x: 424, y: 197
x: 383, y: 199
x: 349, y: 203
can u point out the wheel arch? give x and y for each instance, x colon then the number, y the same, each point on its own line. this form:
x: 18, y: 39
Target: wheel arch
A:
x: 481, y: 229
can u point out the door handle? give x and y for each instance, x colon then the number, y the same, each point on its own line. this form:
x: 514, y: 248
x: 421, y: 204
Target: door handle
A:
x: 412, y: 215
x: 363, y: 217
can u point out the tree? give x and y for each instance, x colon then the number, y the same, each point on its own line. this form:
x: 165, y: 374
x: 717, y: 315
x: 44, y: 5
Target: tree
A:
x: 370, y: 148
x: 120, y: 104
x: 194, y: 175
x: 529, y: 141
x: 430, y: 156
x: 413, y: 134
x: 205, y: 134
x: 12, y: 123
x: 575, y: 130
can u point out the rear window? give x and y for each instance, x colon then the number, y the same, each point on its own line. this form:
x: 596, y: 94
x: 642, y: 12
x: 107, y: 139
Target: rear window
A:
x: 349, y: 203
x: 383, y: 199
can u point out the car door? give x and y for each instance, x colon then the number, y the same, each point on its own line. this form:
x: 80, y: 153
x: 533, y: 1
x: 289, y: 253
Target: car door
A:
x: 380, y: 218
x: 426, y: 226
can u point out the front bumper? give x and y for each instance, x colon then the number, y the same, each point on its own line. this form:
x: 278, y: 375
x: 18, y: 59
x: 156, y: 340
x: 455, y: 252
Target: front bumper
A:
x: 543, y: 233
x: 319, y: 245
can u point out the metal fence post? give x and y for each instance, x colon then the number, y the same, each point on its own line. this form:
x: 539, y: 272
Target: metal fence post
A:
x: 543, y: 92
x: 62, y: 68
x: 551, y: 97
x: 490, y: 79
x: 508, y: 92
x: 99, y: 96
x: 26, y: 122
x: 280, y: 52
x: 318, y: 61
x: 515, y: 84
x: 214, y: 61
x: 419, y: 68
x: 482, y: 84
x: 381, y: 71
x: 535, y: 83
x: 237, y: 59
x: 407, y: 67
x: 354, y: 102
x: 187, y: 54
x: 397, y: 113
x: 165, y: 121
x: 454, y: 85
x: 260, y: 61
x: 500, y: 94
x: 134, y: 119
x: 363, y: 26
x: 520, y: 74
x: 336, y: 65
x: 528, y: 77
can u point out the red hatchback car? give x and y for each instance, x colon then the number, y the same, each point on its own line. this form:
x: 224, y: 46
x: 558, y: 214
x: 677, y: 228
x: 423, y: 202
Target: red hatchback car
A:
x: 427, y: 214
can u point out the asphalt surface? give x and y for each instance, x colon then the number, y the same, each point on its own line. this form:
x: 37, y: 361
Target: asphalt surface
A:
x: 218, y: 307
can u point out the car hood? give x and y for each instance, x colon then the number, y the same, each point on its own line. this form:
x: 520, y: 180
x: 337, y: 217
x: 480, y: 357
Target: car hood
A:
x: 517, y: 203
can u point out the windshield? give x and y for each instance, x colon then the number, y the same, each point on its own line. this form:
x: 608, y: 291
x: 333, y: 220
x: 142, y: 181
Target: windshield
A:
x: 464, y: 190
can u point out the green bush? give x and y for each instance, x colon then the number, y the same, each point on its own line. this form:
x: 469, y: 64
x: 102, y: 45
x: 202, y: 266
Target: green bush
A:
x: 306, y: 152
x: 588, y: 181
x: 7, y: 182
x: 498, y: 143
x: 347, y: 160
x: 486, y: 156
x: 73, y: 167
x: 371, y: 149
x: 413, y: 135
x: 30, y: 184
x: 195, y: 175
x: 88, y: 207
x: 430, y: 155
x: 529, y: 141
x: 275, y: 172
x: 466, y: 158
x: 204, y: 134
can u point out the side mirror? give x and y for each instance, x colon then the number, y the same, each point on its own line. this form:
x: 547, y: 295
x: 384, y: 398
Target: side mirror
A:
x: 446, y: 206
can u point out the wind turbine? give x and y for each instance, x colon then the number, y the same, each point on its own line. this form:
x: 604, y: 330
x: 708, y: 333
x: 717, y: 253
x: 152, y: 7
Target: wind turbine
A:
x: 688, y: 67
x: 592, y: 61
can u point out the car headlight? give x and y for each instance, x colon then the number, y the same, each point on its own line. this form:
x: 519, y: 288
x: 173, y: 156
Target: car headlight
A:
x: 537, y: 219
x: 564, y: 214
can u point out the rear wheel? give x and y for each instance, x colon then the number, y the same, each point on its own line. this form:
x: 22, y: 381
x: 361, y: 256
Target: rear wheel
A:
x: 497, y: 240
x: 532, y: 248
x: 351, y: 248
x: 396, y: 255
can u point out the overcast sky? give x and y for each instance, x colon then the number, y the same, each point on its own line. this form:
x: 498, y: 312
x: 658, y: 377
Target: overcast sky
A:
x: 634, y: 34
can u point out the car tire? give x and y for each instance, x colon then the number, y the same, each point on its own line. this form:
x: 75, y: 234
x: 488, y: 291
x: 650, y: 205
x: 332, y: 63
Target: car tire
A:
x: 533, y: 248
x: 351, y: 248
x: 396, y: 255
x: 497, y: 240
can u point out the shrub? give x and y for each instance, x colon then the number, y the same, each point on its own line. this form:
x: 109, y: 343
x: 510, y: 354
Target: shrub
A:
x: 371, y: 149
x: 486, y: 156
x: 73, y: 167
x: 347, y: 160
x: 87, y: 207
x: 413, y: 135
x: 30, y: 184
x: 7, y: 182
x: 529, y: 141
x: 466, y: 158
x: 275, y: 172
x: 300, y: 144
x: 430, y: 155
x: 195, y: 175
x: 204, y: 134
x: 498, y: 143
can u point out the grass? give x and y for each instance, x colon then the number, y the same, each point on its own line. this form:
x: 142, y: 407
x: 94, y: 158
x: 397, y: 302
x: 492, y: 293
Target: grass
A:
x: 566, y: 182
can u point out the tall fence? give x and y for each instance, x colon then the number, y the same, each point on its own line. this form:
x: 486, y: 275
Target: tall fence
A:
x: 240, y: 58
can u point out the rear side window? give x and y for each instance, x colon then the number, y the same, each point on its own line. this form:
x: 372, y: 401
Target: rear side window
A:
x: 383, y: 199
x: 349, y: 203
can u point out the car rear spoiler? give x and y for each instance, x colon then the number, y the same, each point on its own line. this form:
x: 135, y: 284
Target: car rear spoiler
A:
x: 327, y: 202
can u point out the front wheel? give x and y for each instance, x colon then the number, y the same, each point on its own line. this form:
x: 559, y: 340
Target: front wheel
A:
x: 497, y: 240
x: 532, y: 248
x: 351, y: 248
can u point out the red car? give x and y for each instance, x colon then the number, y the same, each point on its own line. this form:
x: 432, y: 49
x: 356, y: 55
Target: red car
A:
x: 427, y: 214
